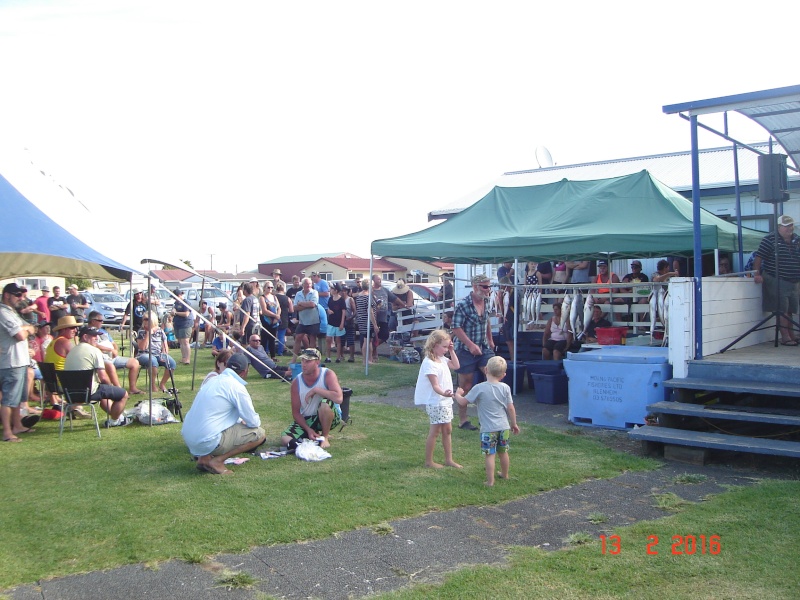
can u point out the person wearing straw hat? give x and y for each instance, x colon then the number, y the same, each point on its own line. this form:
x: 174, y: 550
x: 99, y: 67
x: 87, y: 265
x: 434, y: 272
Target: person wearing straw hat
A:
x: 57, y: 351
x: 404, y: 303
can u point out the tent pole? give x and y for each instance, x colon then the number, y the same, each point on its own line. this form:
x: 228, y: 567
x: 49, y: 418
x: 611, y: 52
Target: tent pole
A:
x: 368, y: 345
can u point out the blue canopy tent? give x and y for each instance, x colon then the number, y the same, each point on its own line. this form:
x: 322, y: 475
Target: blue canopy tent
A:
x: 34, y: 244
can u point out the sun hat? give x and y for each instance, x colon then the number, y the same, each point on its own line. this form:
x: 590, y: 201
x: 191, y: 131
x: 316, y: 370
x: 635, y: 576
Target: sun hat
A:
x: 401, y: 288
x: 277, y: 272
x: 66, y: 323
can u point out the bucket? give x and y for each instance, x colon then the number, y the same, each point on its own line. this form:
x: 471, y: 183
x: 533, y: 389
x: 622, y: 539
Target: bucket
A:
x: 296, y: 369
x: 345, y: 406
x: 611, y: 336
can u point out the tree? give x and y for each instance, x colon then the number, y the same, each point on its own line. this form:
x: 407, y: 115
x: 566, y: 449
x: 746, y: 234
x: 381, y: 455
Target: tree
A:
x: 83, y: 284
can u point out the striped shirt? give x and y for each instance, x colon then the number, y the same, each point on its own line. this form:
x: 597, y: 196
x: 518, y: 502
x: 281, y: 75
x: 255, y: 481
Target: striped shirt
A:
x: 788, y: 257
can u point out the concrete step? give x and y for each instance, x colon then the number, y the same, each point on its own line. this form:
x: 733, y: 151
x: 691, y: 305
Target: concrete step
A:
x: 741, y: 386
x: 727, y: 412
x: 716, y: 441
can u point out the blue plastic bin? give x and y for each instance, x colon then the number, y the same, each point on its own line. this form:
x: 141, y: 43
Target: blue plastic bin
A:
x: 551, y: 389
x: 543, y: 367
x: 611, y: 387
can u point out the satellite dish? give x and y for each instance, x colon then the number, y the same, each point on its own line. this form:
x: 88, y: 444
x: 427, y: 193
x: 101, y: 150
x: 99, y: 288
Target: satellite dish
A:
x: 543, y: 157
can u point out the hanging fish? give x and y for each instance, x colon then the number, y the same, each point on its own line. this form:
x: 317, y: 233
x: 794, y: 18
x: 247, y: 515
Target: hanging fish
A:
x: 653, y: 299
x: 576, y: 313
x: 662, y: 296
x: 537, y: 308
x: 566, y: 306
x: 587, y: 310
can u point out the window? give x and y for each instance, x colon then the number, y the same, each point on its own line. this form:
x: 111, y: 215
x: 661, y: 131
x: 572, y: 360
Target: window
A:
x: 32, y: 284
x: 326, y: 276
x: 388, y: 276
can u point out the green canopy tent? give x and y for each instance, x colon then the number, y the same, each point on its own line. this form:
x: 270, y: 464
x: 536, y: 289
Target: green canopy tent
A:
x: 631, y: 216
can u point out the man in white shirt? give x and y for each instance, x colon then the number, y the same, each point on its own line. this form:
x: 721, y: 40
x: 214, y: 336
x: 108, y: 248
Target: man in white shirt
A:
x: 222, y: 421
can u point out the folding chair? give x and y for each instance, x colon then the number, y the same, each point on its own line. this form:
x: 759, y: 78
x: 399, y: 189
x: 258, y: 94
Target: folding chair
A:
x: 77, y: 386
x: 50, y: 382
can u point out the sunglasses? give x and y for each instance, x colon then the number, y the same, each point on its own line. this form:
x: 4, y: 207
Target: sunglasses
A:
x: 486, y: 287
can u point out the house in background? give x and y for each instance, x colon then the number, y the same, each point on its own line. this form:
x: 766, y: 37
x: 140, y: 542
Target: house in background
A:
x: 420, y: 271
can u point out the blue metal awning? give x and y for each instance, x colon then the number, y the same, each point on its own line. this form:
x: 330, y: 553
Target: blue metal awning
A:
x: 776, y: 110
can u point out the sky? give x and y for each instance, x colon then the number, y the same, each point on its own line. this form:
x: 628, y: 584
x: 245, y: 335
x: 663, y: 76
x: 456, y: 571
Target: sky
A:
x: 232, y: 133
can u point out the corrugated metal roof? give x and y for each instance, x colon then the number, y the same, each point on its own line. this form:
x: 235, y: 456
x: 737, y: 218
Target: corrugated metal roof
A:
x: 674, y: 170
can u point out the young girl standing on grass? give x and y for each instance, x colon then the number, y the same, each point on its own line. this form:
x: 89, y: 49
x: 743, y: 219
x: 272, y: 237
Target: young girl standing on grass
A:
x: 435, y: 390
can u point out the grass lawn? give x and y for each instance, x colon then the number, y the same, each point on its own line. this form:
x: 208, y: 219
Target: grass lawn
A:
x: 80, y: 503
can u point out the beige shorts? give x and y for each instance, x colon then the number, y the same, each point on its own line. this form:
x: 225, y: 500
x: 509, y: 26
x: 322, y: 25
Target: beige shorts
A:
x: 238, y: 435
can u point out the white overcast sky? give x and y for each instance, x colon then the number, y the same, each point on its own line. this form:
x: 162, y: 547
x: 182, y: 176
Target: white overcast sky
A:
x: 253, y: 129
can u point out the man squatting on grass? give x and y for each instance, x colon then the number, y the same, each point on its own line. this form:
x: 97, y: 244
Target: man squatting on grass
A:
x: 316, y: 396
x: 222, y: 421
x: 496, y: 414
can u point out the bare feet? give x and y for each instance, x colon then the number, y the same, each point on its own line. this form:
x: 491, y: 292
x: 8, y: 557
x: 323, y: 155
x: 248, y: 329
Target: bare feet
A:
x: 325, y: 443
x: 501, y: 476
x: 434, y: 466
x: 210, y: 466
x: 135, y: 392
x: 487, y: 484
x: 452, y: 463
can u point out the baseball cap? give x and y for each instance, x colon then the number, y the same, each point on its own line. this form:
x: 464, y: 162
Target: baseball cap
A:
x: 136, y: 291
x: 600, y: 263
x: 314, y: 273
x: 222, y: 305
x: 238, y: 363
x: 88, y: 331
x: 12, y: 288
x: 73, y: 287
x: 179, y: 292
x: 636, y: 263
x: 480, y: 278
x: 310, y: 354
x: 785, y: 220
x: 45, y: 289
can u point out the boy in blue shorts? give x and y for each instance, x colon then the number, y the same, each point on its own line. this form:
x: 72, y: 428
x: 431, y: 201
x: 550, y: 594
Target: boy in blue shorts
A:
x: 496, y: 414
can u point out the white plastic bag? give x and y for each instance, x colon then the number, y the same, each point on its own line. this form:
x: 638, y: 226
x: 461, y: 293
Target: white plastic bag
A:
x: 161, y: 414
x: 310, y: 450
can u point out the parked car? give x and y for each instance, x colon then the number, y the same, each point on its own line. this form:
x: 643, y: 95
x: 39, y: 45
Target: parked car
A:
x: 425, y: 291
x: 211, y: 295
x: 110, y: 305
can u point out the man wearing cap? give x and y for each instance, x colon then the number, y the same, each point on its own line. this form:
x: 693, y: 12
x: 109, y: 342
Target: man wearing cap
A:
x: 43, y: 304
x: 87, y: 356
x: 323, y: 289
x: 474, y: 345
x: 636, y: 276
x: 138, y: 307
x: 276, y: 277
x: 183, y: 322
x: 384, y: 299
x: 779, y: 292
x: 222, y: 421
x: 77, y: 303
x: 14, y: 361
x: 225, y: 317
x: 316, y: 396
x: 258, y: 357
x: 603, y: 276
x: 58, y: 306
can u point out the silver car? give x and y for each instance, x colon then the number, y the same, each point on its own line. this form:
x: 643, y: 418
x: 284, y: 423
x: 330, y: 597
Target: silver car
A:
x: 110, y: 305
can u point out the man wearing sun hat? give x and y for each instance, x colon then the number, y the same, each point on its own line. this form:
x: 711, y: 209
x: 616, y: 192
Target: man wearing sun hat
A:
x: 473, y: 345
x: 222, y: 421
x: 316, y: 396
x: 14, y: 361
x: 779, y: 292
